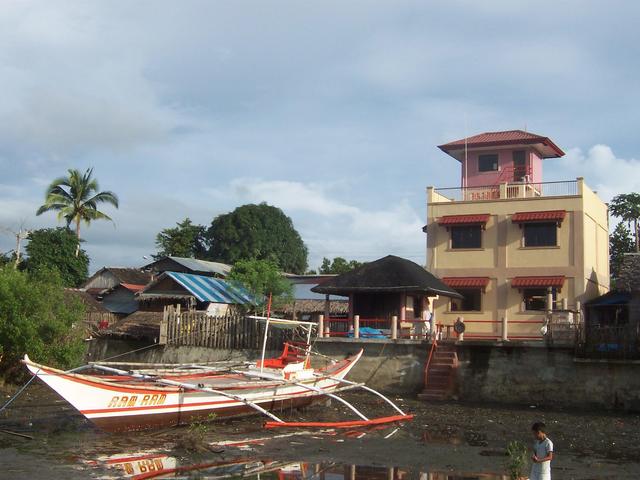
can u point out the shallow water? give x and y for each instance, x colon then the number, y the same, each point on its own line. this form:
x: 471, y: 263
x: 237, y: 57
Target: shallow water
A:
x: 444, y: 442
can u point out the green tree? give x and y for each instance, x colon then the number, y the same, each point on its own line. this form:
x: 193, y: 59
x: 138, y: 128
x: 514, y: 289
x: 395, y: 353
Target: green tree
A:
x: 56, y: 249
x: 76, y: 198
x: 620, y: 242
x: 37, y: 318
x: 338, y: 265
x: 184, y: 240
x: 626, y: 207
x: 261, y: 278
x: 261, y: 232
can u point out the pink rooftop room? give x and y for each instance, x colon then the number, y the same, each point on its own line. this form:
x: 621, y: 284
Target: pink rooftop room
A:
x: 493, y: 158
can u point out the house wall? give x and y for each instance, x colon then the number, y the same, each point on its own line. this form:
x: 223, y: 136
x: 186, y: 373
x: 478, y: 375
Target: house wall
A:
x: 476, y: 178
x: 581, y: 255
x: 105, y: 280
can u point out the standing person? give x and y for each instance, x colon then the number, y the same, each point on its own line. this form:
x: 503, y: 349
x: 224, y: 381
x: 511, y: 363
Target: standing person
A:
x: 542, y: 453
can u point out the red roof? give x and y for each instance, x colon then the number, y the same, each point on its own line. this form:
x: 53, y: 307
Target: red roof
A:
x: 547, y: 148
x: 535, y: 282
x: 479, y: 219
x: 466, y: 282
x: 132, y: 287
x: 544, y: 216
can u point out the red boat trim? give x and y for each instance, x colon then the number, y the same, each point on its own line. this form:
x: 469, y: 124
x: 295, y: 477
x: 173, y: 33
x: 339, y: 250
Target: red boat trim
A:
x: 347, y: 424
x: 130, y: 389
x: 197, y: 404
x: 112, y: 461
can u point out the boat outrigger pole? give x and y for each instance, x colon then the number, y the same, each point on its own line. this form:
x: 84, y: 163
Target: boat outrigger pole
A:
x: 190, y: 386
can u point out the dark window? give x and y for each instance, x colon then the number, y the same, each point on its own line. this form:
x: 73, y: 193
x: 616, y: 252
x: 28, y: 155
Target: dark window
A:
x: 540, y: 234
x: 488, y: 162
x: 472, y: 301
x: 469, y: 236
x: 536, y: 298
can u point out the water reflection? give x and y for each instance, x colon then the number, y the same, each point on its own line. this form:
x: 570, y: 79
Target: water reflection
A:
x: 147, y: 466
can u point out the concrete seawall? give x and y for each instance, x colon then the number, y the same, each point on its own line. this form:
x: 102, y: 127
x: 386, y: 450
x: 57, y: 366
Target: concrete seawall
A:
x: 508, y: 374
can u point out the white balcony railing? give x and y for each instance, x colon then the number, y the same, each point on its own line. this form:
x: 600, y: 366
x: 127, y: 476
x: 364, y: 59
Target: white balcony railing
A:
x: 506, y: 191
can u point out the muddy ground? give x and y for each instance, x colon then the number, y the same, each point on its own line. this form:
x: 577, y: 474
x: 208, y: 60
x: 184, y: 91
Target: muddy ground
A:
x: 443, y: 437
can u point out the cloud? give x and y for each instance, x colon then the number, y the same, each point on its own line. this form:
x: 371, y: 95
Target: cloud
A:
x: 603, y: 171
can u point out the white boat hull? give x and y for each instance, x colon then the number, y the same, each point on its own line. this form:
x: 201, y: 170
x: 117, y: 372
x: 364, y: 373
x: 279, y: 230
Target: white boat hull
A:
x: 123, y: 406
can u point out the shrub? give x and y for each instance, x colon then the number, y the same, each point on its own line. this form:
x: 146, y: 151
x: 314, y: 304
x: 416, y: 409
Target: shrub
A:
x: 37, y: 318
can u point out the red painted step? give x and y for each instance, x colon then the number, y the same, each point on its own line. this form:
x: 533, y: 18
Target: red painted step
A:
x: 440, y: 373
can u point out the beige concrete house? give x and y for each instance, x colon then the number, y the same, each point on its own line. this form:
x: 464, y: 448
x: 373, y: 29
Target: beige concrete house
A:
x: 510, y: 243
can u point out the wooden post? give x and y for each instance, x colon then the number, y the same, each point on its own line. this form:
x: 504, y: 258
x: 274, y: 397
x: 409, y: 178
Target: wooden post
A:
x: 320, y: 326
x: 356, y: 326
x: 505, y: 332
x: 394, y: 327
x: 327, y: 308
x: 162, y: 340
x: 403, y: 306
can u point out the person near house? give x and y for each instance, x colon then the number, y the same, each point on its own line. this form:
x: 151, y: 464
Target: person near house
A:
x: 542, y: 453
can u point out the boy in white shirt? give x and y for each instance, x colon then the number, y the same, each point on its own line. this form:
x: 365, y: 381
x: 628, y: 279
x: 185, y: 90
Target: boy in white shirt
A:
x: 542, y: 453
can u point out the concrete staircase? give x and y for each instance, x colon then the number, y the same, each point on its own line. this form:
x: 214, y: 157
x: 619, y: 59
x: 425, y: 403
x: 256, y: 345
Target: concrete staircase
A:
x: 440, y: 373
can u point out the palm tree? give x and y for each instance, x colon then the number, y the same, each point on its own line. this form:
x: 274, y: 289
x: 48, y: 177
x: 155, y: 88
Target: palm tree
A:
x: 76, y: 198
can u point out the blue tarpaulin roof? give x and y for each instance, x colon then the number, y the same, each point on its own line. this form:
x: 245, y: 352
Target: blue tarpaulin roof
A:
x: 209, y: 289
x: 611, y: 298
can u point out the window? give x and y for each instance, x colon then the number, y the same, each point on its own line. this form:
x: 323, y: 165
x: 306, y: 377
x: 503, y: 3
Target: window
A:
x: 536, y: 298
x: 468, y: 236
x: 488, y: 162
x: 472, y: 301
x: 540, y: 234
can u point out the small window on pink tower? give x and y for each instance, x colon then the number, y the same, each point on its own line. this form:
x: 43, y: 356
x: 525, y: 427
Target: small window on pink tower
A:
x: 488, y: 162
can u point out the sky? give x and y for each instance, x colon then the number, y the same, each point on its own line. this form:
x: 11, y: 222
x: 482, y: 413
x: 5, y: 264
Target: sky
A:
x: 330, y: 110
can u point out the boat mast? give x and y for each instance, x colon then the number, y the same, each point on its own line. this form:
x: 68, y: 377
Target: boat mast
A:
x: 266, y: 331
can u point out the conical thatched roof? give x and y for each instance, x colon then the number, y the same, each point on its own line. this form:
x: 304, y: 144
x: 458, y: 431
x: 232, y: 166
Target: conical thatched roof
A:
x: 388, y: 274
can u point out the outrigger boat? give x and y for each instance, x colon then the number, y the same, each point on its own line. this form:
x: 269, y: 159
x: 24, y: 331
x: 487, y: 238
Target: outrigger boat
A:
x: 161, y: 395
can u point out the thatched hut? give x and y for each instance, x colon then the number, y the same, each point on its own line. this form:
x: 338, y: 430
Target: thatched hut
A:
x: 388, y: 287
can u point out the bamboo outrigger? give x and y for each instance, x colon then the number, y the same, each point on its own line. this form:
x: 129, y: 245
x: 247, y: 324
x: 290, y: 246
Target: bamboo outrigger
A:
x: 162, y: 395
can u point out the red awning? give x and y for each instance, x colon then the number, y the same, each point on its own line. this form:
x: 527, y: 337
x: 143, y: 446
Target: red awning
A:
x: 538, y: 282
x: 479, y: 219
x: 545, y: 216
x: 466, y: 282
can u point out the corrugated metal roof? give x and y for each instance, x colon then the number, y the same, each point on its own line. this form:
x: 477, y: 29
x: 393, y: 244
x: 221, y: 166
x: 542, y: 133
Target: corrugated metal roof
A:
x: 544, y: 216
x: 209, y: 289
x: 203, y: 265
x: 533, y: 282
x: 464, y: 219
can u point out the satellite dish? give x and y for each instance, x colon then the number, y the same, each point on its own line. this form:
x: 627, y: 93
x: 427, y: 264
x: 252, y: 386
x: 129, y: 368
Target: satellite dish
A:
x: 544, y: 330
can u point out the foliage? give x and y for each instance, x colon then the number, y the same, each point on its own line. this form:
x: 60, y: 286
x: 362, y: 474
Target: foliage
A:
x: 338, y: 265
x: 184, y: 240
x: 626, y: 206
x: 195, y: 440
x: 261, y: 232
x: 55, y: 249
x: 5, y: 259
x: 76, y: 198
x: 261, y: 278
x: 516, y: 459
x: 620, y: 242
x: 36, y: 317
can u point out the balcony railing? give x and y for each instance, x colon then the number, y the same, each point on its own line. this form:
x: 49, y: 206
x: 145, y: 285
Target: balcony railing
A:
x: 506, y: 191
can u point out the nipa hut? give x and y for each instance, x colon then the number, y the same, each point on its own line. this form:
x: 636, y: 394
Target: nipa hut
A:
x: 388, y: 287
